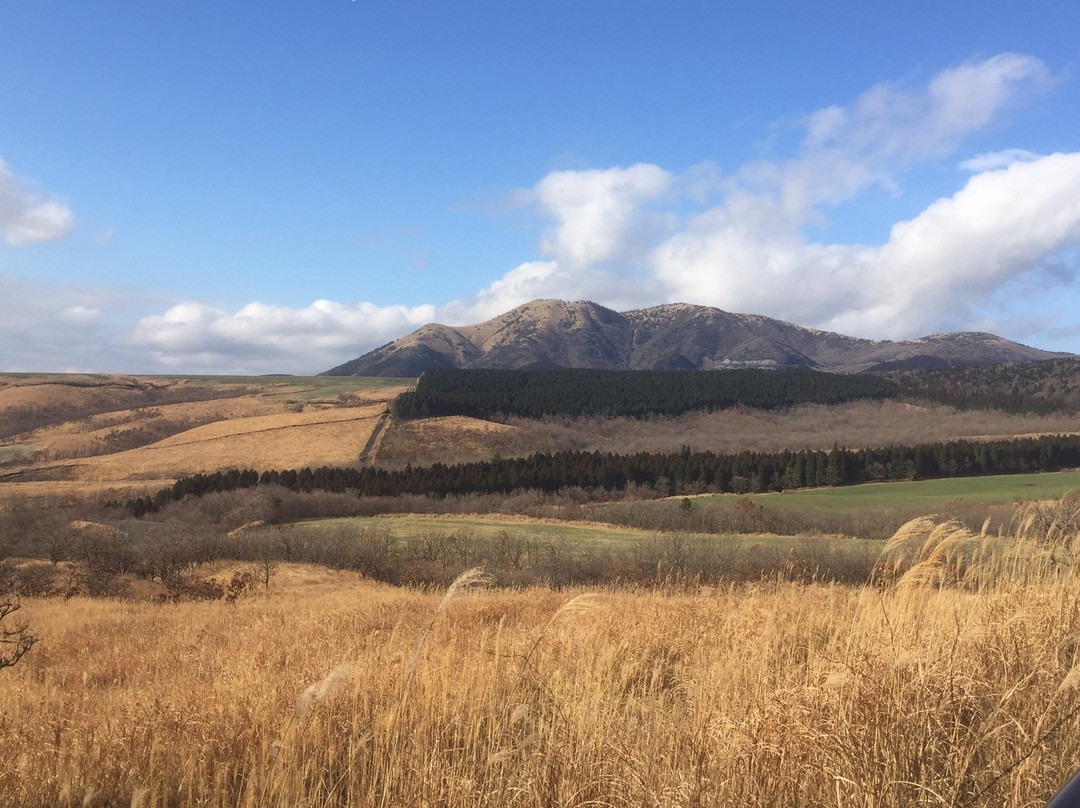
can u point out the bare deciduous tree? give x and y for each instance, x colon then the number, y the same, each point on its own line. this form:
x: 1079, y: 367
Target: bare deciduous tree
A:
x: 16, y: 640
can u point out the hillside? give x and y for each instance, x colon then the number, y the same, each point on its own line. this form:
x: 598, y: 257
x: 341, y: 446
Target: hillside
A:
x: 65, y: 437
x: 70, y: 435
x: 551, y: 334
x: 1049, y: 386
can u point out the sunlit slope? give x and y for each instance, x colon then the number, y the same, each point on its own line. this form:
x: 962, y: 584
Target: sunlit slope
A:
x: 322, y: 437
x: 97, y: 434
x: 76, y: 435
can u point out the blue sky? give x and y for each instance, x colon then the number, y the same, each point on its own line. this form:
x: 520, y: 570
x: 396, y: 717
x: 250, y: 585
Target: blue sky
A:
x: 281, y: 186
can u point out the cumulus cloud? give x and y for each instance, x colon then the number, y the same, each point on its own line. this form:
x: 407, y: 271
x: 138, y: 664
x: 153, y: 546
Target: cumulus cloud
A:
x: 953, y: 256
x: 1019, y: 210
x: 599, y: 214
x: 601, y: 218
x: 28, y: 215
x: 525, y: 282
x: 192, y: 336
x: 934, y: 271
x: 260, y: 338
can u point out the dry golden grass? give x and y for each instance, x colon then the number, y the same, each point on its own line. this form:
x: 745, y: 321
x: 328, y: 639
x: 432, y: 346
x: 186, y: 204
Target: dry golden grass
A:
x: 322, y: 437
x: 377, y: 395
x: 117, y: 440
x: 454, y: 438
x: 74, y: 491
x: 75, y: 437
x: 858, y: 424
x: 52, y: 391
x: 273, y: 423
x: 954, y: 690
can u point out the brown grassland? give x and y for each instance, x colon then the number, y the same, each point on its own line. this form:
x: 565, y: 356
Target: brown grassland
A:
x: 811, y: 426
x: 323, y: 437
x: 73, y: 436
x: 954, y: 681
x: 949, y: 677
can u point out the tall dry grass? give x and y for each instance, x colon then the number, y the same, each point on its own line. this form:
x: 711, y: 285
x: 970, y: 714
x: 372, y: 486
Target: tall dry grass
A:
x: 952, y: 680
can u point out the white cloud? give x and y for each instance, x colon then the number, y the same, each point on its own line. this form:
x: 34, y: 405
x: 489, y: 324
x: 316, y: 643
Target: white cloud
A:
x: 525, y: 282
x: 260, y: 338
x: 53, y: 327
x: 616, y: 237
x: 751, y: 253
x: 992, y: 161
x: 889, y: 128
x: 196, y: 337
x: 967, y: 98
x: 600, y: 214
x: 934, y: 271
x: 28, y: 215
x: 958, y: 252
x: 80, y: 315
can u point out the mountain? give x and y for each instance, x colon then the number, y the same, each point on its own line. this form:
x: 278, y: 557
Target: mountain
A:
x: 547, y: 334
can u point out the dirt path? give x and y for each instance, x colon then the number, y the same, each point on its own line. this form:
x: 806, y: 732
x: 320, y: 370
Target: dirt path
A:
x: 371, y: 448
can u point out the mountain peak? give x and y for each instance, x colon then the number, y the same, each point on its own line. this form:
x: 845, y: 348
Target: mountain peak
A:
x: 548, y: 334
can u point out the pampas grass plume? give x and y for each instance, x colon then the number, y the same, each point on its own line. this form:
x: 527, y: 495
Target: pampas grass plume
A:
x: 317, y: 691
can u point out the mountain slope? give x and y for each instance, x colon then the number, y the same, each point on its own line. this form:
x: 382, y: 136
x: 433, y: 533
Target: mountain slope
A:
x: 547, y: 334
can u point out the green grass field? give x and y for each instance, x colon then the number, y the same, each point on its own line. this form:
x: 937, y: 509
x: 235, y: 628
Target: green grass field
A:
x: 404, y: 527
x: 931, y: 493
x: 577, y: 535
x: 303, y: 387
x: 13, y: 454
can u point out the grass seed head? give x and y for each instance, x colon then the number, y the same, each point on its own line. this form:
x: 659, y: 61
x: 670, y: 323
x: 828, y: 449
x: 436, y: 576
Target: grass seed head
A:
x: 317, y: 691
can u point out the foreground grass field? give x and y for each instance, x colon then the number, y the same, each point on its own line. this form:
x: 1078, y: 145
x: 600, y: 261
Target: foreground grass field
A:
x: 952, y: 680
x: 955, y: 686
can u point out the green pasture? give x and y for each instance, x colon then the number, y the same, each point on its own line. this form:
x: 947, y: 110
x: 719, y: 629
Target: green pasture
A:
x: 411, y: 526
x: 18, y: 451
x: 931, y: 493
x: 321, y: 387
x: 580, y: 536
x: 303, y: 387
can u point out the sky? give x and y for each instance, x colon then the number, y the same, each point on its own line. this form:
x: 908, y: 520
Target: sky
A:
x: 278, y: 187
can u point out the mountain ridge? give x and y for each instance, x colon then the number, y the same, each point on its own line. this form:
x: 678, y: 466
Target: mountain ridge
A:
x: 550, y: 334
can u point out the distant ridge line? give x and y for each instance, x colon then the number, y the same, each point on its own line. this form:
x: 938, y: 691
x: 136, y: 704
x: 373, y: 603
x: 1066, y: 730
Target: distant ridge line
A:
x: 553, y: 334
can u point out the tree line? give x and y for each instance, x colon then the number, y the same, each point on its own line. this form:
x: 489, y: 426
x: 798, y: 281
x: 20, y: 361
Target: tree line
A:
x: 668, y: 474
x: 610, y: 393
